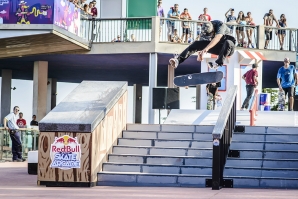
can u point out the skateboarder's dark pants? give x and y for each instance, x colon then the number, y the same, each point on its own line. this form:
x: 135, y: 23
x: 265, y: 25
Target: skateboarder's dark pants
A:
x: 223, y: 49
x: 249, y: 92
x: 16, y: 147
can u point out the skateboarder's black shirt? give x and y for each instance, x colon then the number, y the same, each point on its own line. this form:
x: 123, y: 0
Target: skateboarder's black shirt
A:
x: 219, y: 28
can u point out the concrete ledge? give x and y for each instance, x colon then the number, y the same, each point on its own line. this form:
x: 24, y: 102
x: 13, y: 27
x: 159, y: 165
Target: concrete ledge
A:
x: 84, y: 108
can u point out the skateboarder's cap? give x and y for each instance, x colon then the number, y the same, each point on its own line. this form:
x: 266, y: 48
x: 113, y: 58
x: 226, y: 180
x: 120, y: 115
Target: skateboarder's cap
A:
x: 287, y: 59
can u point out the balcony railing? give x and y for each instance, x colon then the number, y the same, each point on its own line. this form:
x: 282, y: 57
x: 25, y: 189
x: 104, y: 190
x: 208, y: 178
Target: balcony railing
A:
x: 108, y: 30
x: 143, y: 30
x: 29, y: 139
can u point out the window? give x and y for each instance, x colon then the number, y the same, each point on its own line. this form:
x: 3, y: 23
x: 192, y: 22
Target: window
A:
x: 224, y: 79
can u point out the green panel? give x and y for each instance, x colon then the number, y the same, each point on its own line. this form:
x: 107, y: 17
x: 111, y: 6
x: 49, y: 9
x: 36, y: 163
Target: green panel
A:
x: 136, y: 24
x: 141, y: 8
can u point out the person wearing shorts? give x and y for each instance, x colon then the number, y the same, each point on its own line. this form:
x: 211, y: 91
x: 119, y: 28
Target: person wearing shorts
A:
x: 185, y: 24
x: 288, y: 76
x: 175, y: 14
x: 268, y: 21
x: 282, y: 33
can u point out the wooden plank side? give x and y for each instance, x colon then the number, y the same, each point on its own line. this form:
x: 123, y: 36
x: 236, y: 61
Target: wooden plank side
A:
x: 71, y: 175
x: 45, y: 173
x: 106, y: 134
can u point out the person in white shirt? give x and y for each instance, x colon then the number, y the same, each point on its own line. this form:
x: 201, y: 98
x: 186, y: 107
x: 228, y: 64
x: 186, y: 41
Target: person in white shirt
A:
x: 10, y: 124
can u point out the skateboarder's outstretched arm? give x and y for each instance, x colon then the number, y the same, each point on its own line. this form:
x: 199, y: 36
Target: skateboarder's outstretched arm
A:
x: 213, y: 42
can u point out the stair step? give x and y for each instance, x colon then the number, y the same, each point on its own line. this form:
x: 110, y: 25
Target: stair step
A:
x: 142, y: 179
x: 272, y: 163
x: 238, y: 145
x: 263, y: 182
x: 270, y: 130
x: 261, y: 172
x: 265, y: 137
x: 244, y: 153
x: 169, y: 127
x: 167, y: 135
x: 154, y: 159
x: 165, y: 143
x: 152, y: 168
x: 177, y: 151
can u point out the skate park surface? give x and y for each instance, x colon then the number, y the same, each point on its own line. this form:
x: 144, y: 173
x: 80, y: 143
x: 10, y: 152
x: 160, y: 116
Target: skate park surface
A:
x: 16, y: 183
x: 206, y: 117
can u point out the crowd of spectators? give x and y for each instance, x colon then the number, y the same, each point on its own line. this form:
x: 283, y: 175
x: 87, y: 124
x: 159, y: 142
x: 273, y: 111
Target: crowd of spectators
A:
x: 243, y: 24
x: 88, y: 11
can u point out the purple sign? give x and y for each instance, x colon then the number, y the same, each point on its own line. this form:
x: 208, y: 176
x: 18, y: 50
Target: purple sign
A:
x: 26, y: 12
x: 67, y: 16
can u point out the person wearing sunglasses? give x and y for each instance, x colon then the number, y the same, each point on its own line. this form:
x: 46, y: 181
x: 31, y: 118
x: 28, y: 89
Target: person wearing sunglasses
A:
x: 288, y: 76
x: 14, y: 131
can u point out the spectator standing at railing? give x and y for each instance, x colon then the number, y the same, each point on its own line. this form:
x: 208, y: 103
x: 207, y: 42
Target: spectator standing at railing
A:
x: 251, y: 80
x: 282, y: 33
x: 94, y: 10
x: 175, y: 14
x: 202, y: 17
x: 249, y: 29
x: 205, y: 15
x: 231, y: 18
x: 160, y: 13
x: 21, y: 122
x: 185, y: 16
x: 241, y: 20
x: 14, y: 131
x: 289, y: 79
x: 268, y: 21
x: 34, y: 122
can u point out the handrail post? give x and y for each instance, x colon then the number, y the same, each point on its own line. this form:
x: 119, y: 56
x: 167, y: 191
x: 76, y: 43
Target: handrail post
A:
x: 216, y: 180
x: 221, y: 136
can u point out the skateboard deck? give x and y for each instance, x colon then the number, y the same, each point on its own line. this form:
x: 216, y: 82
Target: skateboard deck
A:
x: 281, y: 101
x: 198, y: 78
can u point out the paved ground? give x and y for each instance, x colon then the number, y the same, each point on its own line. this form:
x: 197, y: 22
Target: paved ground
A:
x: 16, y: 183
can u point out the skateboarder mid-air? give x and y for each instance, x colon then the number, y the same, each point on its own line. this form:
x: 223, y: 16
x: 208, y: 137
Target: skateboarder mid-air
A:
x: 215, y: 39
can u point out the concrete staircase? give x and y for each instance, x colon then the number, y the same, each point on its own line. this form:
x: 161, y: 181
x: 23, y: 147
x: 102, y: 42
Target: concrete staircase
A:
x: 160, y: 155
x: 268, y: 158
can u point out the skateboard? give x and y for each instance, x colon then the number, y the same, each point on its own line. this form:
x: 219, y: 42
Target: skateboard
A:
x: 281, y: 101
x: 198, y: 78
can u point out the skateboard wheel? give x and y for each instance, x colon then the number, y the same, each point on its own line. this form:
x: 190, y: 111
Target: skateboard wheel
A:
x: 189, y: 77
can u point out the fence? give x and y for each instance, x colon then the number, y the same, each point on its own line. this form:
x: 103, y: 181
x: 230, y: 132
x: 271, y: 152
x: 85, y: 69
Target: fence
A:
x: 222, y: 136
x: 282, y: 38
x: 29, y: 138
x: 117, y: 30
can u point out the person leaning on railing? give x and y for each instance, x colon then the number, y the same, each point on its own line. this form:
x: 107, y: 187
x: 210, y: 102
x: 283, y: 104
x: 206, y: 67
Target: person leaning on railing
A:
x: 282, y: 33
x: 175, y: 14
x: 249, y: 29
x: 240, y: 29
x: 14, y: 131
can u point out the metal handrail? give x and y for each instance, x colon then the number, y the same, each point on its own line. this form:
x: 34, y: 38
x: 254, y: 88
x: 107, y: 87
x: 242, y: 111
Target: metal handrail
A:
x: 253, y: 109
x: 222, y: 134
x: 3, y: 132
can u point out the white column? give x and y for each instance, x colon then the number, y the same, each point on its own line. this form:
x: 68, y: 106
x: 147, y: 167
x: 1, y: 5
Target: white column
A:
x: 40, y: 90
x: 5, y: 93
x: 152, y: 84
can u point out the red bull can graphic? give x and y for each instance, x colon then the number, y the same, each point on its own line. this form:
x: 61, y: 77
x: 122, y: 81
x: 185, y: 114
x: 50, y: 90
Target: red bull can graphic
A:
x: 65, y: 153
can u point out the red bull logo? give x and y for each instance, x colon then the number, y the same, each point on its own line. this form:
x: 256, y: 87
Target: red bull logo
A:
x: 65, y: 153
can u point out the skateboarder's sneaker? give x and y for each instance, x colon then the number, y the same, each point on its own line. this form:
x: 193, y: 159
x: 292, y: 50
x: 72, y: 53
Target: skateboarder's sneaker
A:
x: 213, y: 65
x: 173, y: 62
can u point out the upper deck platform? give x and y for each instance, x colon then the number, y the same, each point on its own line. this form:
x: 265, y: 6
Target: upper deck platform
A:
x: 136, y: 35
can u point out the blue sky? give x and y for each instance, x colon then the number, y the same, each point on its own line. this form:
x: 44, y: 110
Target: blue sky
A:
x: 23, y: 95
